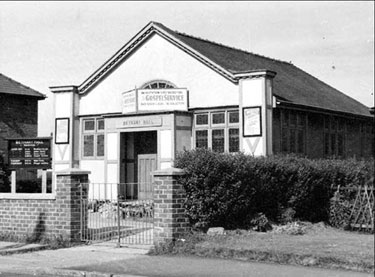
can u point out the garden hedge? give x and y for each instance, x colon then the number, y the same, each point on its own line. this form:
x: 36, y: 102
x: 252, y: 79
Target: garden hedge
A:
x: 229, y: 190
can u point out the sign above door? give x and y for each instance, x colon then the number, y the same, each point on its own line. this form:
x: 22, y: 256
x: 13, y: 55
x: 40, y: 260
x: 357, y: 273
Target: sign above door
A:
x: 142, y: 100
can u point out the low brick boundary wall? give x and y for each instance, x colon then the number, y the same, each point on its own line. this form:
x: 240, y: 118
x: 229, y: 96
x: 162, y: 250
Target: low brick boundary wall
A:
x: 170, y: 220
x: 37, y: 218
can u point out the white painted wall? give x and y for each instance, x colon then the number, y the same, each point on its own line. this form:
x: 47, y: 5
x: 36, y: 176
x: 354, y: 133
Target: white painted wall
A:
x: 112, y: 173
x: 257, y: 92
x: 159, y: 59
x: 63, y: 109
x: 63, y: 104
x: 165, y: 144
x: 112, y: 143
x: 252, y: 92
x: 96, y: 167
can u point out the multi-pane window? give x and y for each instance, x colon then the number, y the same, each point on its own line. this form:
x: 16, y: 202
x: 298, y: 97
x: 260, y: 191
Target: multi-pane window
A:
x: 201, y: 119
x: 334, y: 136
x: 218, y: 140
x: 217, y: 130
x: 218, y: 118
x: 88, y: 145
x: 234, y: 139
x: 234, y: 117
x: 93, y: 138
x: 293, y: 138
x: 89, y: 125
x: 100, y: 145
x: 201, y: 139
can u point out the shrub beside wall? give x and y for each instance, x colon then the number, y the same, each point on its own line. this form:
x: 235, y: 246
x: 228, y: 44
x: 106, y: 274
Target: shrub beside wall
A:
x: 229, y: 190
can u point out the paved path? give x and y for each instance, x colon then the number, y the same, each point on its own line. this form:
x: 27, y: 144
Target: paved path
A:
x: 58, y: 262
x: 158, y: 266
x: 106, y: 260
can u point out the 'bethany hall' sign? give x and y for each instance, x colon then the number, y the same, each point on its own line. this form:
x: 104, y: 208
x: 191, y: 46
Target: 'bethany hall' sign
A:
x: 175, y: 99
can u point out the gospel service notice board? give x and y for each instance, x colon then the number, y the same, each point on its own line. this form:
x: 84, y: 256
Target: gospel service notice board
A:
x: 29, y: 153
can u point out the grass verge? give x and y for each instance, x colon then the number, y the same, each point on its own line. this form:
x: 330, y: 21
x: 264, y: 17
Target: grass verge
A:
x: 317, y: 245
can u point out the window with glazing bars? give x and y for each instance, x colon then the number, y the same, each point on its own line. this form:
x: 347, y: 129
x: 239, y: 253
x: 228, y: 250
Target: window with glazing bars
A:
x: 93, y: 138
x: 217, y: 130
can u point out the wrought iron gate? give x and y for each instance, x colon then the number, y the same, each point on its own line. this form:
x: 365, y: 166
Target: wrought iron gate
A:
x: 117, y: 213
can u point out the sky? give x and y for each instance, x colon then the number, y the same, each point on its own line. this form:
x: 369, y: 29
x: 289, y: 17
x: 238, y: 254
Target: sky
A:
x: 45, y: 44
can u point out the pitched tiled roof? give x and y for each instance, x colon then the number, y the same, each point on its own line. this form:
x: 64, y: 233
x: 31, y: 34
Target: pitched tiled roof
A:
x: 9, y: 86
x: 291, y: 84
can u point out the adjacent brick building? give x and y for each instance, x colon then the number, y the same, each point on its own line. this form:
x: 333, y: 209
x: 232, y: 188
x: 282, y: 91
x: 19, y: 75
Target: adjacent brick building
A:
x: 18, y: 111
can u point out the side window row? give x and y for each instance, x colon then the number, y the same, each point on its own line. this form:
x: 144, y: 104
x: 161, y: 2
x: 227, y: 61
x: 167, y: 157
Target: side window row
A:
x: 217, y: 118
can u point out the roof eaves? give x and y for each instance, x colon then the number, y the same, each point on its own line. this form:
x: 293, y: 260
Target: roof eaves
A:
x: 255, y: 73
x: 316, y: 108
x: 61, y: 89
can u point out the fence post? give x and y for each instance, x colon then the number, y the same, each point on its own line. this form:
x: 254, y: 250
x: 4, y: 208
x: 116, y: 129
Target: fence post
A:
x: 118, y: 217
x: 170, y: 219
x: 68, y: 197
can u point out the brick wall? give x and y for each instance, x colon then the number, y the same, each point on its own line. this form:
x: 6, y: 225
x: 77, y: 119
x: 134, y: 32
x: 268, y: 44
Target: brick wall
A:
x: 18, y: 117
x: 170, y: 220
x: 25, y: 218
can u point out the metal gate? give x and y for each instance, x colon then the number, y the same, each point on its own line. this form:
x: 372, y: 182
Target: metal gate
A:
x: 117, y: 213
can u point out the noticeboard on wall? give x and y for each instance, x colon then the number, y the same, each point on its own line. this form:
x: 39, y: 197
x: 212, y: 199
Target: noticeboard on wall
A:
x: 252, y: 121
x: 29, y: 153
x: 62, y: 131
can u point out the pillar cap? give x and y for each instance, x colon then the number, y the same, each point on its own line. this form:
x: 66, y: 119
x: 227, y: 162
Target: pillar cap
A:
x: 169, y: 172
x: 72, y: 171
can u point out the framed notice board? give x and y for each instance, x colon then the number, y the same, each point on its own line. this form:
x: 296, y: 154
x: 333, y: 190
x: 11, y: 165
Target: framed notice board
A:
x: 29, y: 153
x: 62, y: 130
x: 252, y: 121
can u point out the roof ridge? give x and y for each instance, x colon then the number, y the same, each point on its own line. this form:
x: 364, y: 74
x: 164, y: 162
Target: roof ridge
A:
x: 230, y: 47
x: 26, y: 87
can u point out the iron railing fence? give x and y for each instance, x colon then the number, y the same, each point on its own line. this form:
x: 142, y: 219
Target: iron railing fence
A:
x: 118, y: 212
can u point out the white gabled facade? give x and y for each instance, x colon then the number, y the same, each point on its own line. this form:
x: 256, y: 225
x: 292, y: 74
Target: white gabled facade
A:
x: 113, y: 145
x: 158, y: 59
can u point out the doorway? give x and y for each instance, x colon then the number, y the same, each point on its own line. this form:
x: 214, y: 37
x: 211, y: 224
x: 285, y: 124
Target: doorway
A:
x: 139, y: 160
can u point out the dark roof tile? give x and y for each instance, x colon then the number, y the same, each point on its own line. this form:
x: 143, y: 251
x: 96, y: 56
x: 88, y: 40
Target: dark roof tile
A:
x: 9, y: 86
x: 291, y: 83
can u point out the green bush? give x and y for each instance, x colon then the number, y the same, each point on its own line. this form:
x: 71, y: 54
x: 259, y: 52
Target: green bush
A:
x: 340, y: 208
x: 229, y: 190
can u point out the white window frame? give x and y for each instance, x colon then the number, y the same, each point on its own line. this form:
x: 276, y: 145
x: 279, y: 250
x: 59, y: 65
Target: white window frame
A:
x: 96, y: 132
x: 219, y: 126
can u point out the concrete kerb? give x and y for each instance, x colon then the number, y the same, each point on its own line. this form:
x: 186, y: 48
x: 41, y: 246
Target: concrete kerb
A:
x: 62, y: 272
x: 59, y: 266
x: 19, y: 249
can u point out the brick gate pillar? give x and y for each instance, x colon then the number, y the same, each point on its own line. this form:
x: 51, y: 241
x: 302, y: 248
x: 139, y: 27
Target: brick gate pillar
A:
x: 68, y: 199
x: 170, y: 219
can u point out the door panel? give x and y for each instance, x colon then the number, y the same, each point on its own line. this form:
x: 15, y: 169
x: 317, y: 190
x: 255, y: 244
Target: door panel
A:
x: 146, y: 165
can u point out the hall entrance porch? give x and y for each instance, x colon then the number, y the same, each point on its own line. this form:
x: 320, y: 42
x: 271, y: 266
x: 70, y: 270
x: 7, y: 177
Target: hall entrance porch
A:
x: 138, y: 152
